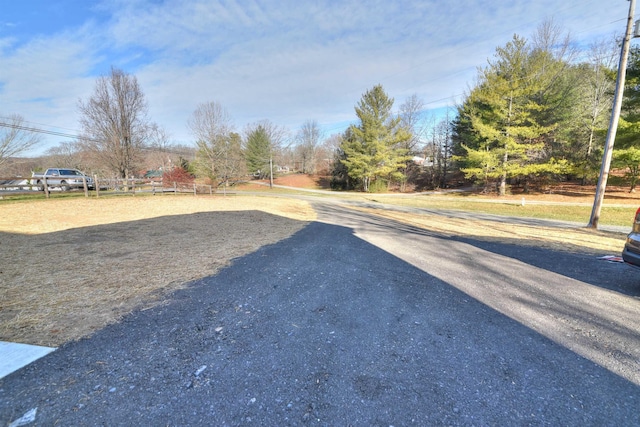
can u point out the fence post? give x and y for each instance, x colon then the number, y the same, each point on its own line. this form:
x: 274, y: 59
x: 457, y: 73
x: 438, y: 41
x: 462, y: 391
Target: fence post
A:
x: 95, y: 181
x: 46, y: 186
x: 84, y: 184
x: 31, y: 185
x: 194, y: 189
x: 175, y: 188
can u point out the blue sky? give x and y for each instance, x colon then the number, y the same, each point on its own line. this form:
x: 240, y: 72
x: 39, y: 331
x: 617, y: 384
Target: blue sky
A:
x: 287, y: 61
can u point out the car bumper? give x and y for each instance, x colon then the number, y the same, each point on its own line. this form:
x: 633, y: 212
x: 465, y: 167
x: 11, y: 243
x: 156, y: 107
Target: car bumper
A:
x: 631, y: 257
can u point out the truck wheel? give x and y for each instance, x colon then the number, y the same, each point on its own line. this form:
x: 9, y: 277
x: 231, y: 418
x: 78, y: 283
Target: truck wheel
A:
x: 39, y: 185
x: 64, y: 186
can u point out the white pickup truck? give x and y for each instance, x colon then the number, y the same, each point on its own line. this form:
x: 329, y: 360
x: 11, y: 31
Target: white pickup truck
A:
x: 63, y: 178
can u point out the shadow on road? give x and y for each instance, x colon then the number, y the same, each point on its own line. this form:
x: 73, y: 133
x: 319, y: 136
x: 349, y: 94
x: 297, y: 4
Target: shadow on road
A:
x: 579, y: 266
x: 355, y: 320
x: 587, y: 305
x: 613, y: 276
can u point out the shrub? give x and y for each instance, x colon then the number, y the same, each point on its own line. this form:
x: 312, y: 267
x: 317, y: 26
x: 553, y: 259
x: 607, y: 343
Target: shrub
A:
x: 177, y: 175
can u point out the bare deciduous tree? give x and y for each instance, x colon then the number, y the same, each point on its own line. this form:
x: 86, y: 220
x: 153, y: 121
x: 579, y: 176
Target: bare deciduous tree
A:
x: 14, y: 137
x: 326, y: 154
x: 602, y: 57
x: 308, y: 139
x: 65, y: 154
x: 410, y: 118
x: 209, y: 121
x: 114, y: 121
x: 159, y: 154
x: 549, y: 37
x: 442, y: 155
x: 219, y: 153
x: 277, y: 134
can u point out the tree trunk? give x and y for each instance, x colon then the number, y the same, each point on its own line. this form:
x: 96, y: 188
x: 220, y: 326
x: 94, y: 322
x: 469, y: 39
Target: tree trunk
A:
x: 502, y: 188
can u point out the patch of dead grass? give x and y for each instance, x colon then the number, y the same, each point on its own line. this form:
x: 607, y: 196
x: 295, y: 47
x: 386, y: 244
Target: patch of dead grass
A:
x: 72, y: 266
x: 563, y: 239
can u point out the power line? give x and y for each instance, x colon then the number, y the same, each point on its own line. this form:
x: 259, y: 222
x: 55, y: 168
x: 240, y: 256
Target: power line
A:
x: 71, y: 136
x: 44, y: 131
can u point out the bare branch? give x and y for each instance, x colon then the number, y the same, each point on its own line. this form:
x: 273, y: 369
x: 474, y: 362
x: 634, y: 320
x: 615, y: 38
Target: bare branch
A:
x: 114, y: 121
x: 13, y: 138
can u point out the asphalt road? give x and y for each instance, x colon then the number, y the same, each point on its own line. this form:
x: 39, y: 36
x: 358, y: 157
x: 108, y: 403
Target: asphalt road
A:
x: 357, y: 320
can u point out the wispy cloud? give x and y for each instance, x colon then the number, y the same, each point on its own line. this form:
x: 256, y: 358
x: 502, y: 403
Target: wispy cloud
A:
x: 285, y: 60
x: 43, y: 78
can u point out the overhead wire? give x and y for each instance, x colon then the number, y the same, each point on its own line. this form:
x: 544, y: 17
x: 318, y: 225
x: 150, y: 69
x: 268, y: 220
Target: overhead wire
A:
x: 44, y: 131
x: 68, y: 135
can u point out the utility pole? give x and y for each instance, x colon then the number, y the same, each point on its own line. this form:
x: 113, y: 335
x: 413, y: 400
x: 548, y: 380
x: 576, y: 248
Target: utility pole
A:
x: 613, y: 123
x: 270, y: 171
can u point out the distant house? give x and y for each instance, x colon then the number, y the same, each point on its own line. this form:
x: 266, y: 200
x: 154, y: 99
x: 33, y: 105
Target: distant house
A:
x: 154, y: 175
x: 422, y: 161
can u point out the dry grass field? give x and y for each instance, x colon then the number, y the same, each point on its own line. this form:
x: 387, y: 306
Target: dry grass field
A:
x: 70, y: 266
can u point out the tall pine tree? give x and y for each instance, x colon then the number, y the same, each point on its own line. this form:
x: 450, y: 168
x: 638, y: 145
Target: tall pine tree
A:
x: 258, y: 151
x: 627, y: 152
x: 504, y: 113
x: 374, y: 148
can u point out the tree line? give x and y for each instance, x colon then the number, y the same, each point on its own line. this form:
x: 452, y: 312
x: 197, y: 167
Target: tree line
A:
x: 536, y: 114
x: 119, y: 140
